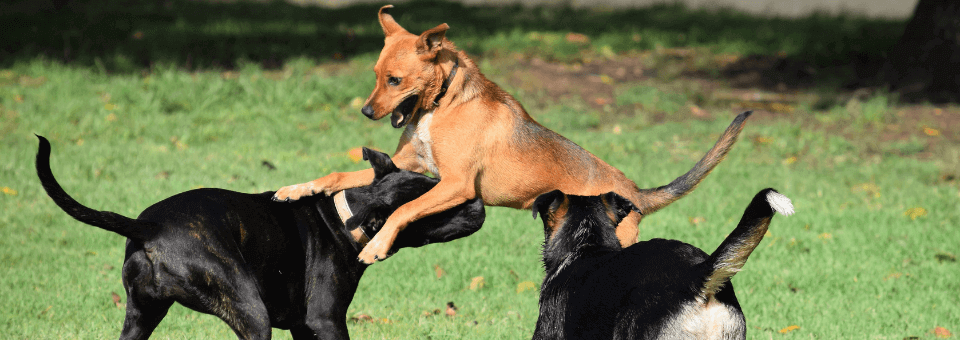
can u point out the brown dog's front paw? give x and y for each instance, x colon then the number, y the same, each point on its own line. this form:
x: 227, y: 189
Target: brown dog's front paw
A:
x: 294, y: 192
x: 376, y: 250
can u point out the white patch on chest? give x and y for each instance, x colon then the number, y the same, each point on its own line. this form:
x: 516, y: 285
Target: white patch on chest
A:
x: 423, y: 144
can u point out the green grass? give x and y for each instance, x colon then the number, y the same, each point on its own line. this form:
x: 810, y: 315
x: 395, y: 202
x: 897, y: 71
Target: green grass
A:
x: 849, y: 264
x: 227, y: 92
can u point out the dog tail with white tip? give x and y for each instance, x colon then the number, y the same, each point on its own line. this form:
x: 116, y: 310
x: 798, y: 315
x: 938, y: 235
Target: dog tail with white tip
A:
x: 128, y: 227
x: 651, y: 200
x: 732, y: 254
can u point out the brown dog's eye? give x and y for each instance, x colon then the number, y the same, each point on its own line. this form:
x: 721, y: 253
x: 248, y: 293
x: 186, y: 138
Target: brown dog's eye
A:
x: 393, y: 81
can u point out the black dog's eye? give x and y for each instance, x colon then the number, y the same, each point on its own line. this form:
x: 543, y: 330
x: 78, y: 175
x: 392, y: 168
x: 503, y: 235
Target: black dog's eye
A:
x: 394, y: 81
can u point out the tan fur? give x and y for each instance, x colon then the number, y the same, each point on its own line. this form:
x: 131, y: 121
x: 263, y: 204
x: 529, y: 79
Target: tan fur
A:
x: 482, y: 141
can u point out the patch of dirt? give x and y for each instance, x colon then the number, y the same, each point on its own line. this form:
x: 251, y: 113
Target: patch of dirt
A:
x: 772, y: 73
x: 774, y: 86
x: 591, y: 81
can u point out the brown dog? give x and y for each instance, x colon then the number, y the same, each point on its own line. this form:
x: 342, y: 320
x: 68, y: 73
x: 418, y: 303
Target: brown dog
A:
x: 478, y: 140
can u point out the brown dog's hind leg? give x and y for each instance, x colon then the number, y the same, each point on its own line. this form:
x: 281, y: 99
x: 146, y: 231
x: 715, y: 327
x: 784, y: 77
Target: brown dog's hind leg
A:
x: 628, y: 230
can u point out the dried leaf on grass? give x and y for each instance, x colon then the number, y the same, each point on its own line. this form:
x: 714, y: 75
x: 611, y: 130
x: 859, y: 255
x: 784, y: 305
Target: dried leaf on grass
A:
x: 116, y: 300
x: 477, y: 283
x: 355, y: 154
x: 525, y: 286
x: 451, y: 309
x: 367, y: 318
x: 941, y: 332
x: 915, y: 212
x: 789, y: 329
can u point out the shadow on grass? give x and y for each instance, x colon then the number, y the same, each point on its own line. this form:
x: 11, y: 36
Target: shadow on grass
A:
x: 127, y: 36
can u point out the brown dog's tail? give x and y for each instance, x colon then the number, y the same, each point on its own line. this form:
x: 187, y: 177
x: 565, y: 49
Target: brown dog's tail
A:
x: 732, y: 254
x: 651, y: 200
x: 128, y: 227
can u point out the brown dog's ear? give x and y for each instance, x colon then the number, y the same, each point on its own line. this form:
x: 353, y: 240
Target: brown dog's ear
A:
x: 545, y: 203
x: 390, y: 26
x: 619, y: 206
x: 431, y: 41
x: 381, y: 162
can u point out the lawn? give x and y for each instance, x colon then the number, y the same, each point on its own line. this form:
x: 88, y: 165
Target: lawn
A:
x: 870, y: 254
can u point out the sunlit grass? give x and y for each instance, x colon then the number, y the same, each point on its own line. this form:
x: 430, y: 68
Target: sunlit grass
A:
x: 852, y: 263
x: 871, y: 252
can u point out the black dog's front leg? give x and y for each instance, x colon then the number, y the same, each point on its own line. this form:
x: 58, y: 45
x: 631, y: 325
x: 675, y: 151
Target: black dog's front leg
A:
x: 321, y: 328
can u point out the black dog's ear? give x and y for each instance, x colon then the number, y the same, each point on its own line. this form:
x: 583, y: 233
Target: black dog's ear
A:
x: 619, y: 205
x: 544, y: 203
x: 381, y: 162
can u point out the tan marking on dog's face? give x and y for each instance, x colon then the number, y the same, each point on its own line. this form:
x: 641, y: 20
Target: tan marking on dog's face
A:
x: 359, y: 236
x: 556, y: 218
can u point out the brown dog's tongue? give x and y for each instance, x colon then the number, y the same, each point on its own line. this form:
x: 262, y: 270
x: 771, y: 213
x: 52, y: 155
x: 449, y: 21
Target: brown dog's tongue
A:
x: 397, y: 119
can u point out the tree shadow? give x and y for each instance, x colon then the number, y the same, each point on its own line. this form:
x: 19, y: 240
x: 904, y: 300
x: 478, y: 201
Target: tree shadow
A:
x: 128, y: 36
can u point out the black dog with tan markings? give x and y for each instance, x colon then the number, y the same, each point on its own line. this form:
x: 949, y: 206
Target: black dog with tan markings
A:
x: 256, y: 263
x: 656, y: 289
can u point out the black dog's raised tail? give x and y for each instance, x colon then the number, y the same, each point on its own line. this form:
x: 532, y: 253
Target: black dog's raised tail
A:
x: 651, y: 200
x: 732, y: 254
x: 128, y: 227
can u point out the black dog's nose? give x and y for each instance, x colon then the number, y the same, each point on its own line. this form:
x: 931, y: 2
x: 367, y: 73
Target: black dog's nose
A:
x: 367, y: 111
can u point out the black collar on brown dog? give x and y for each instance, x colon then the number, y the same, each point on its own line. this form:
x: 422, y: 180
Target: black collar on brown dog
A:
x: 446, y: 83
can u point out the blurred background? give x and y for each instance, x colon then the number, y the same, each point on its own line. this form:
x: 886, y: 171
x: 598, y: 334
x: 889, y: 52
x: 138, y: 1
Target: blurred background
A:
x: 856, y: 119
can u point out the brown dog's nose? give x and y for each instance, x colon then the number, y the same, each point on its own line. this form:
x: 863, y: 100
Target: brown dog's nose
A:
x: 367, y: 111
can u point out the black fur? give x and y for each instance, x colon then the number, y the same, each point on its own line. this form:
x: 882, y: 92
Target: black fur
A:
x: 593, y: 289
x: 256, y: 263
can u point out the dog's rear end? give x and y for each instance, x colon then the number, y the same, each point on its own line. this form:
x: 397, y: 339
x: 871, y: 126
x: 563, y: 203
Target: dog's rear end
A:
x: 656, y: 289
x: 714, y: 313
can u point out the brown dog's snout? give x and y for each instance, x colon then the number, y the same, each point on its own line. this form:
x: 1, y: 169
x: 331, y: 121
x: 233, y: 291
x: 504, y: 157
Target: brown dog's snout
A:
x: 367, y: 111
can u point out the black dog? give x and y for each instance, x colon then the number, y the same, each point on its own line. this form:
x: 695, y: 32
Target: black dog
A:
x: 256, y: 263
x: 657, y: 289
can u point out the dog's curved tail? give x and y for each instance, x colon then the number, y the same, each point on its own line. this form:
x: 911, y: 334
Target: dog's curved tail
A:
x: 651, y: 200
x: 128, y: 227
x: 732, y: 254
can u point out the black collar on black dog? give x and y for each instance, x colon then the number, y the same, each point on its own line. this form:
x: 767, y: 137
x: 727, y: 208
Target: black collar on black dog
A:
x: 446, y: 83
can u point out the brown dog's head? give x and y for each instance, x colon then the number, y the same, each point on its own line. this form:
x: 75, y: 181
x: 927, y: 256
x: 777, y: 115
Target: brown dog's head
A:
x: 408, y: 72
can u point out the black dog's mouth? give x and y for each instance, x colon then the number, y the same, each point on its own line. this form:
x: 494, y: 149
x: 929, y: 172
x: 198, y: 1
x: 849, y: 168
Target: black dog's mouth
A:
x: 401, y: 114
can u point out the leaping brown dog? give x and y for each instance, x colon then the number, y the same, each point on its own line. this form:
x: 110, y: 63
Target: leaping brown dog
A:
x: 479, y: 140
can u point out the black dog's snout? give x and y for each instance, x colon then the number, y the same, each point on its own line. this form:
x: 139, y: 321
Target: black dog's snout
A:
x: 367, y: 111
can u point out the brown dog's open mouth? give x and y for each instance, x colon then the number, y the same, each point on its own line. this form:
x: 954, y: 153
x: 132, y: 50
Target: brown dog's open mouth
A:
x: 401, y: 114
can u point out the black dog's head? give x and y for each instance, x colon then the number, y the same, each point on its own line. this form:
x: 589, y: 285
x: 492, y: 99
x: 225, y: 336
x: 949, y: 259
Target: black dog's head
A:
x: 392, y: 188
x: 573, y: 224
